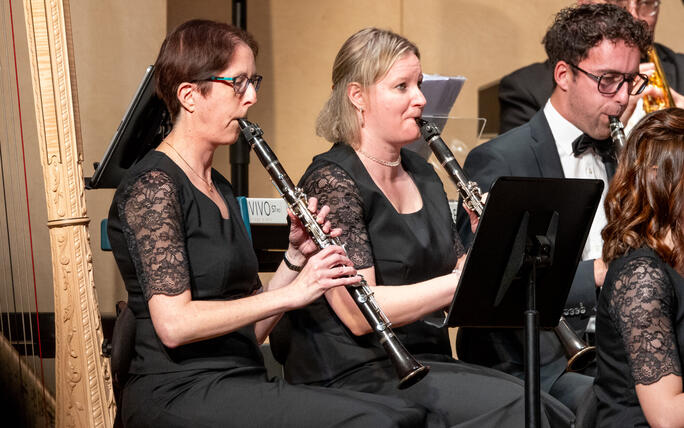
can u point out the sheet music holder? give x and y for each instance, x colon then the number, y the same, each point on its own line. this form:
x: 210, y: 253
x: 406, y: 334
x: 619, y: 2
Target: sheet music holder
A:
x: 575, y: 201
x: 142, y: 128
x: 440, y: 93
x: 496, y: 288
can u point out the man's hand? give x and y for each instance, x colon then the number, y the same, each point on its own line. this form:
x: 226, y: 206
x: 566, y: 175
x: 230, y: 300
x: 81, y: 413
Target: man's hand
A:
x: 600, y: 270
x: 648, y: 69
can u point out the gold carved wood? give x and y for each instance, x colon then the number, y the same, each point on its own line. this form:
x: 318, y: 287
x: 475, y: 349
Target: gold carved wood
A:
x: 83, y: 383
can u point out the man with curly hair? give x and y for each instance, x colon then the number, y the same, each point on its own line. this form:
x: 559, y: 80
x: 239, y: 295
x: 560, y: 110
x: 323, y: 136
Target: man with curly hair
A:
x: 594, y: 51
x: 524, y: 91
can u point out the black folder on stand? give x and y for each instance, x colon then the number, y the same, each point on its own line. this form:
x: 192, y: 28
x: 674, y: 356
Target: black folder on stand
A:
x: 144, y: 125
x: 491, y: 292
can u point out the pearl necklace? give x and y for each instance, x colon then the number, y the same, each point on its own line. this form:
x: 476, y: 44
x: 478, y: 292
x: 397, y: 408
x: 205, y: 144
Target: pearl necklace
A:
x: 380, y: 161
x: 209, y: 184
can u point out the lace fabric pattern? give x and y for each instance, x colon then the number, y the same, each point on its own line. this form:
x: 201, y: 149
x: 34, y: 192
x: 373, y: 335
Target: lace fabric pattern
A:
x: 458, y: 245
x: 152, y: 222
x: 335, y: 188
x: 641, y: 306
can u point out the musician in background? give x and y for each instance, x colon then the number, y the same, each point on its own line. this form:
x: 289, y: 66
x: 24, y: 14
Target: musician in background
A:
x: 398, y: 231
x: 640, y: 321
x: 524, y: 92
x: 595, y: 52
x: 191, y: 273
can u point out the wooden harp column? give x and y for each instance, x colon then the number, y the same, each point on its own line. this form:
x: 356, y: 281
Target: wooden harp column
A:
x: 83, y: 383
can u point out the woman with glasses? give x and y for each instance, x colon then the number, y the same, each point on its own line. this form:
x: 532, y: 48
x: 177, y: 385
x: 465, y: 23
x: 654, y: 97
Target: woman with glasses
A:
x: 398, y: 232
x: 191, y: 273
x: 640, y: 321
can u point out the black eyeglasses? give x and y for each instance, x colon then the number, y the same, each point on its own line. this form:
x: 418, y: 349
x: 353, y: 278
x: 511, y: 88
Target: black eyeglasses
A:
x: 611, y: 82
x: 239, y: 83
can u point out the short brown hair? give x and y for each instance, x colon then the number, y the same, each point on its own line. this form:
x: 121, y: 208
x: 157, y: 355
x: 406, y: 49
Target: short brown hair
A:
x: 364, y: 58
x: 195, y: 51
x: 645, y: 200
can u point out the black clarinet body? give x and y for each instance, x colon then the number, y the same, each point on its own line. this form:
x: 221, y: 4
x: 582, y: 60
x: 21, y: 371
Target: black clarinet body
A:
x: 468, y: 190
x: 408, y: 369
x: 579, y: 354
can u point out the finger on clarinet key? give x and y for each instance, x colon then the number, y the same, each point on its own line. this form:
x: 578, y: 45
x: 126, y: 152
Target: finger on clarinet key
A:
x: 327, y: 227
x: 313, y: 204
x: 322, y: 214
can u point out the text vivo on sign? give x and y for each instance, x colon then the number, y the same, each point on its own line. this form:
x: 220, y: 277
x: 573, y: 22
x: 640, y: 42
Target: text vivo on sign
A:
x: 267, y: 210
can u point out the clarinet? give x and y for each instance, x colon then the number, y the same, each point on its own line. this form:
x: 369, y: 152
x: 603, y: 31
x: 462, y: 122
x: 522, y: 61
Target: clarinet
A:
x: 468, y: 190
x: 617, y: 133
x: 579, y: 354
x: 408, y: 369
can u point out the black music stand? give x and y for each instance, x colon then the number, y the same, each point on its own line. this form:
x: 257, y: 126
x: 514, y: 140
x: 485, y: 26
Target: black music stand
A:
x: 526, y: 250
x: 144, y: 125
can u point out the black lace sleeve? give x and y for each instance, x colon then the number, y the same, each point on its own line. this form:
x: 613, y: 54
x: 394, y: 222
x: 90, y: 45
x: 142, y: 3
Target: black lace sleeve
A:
x: 153, y: 225
x: 641, y: 307
x: 333, y: 187
x: 458, y: 244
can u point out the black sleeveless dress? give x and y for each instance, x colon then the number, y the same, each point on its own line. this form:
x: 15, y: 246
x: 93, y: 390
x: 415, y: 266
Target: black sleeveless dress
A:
x: 168, y: 237
x: 639, y: 334
x: 317, y: 348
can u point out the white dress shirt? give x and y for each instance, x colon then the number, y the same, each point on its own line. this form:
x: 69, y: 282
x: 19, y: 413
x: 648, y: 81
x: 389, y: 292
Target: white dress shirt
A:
x: 587, y: 165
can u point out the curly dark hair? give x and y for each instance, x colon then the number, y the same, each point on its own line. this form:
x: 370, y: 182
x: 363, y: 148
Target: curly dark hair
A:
x: 194, y: 51
x: 578, y: 29
x: 645, y: 200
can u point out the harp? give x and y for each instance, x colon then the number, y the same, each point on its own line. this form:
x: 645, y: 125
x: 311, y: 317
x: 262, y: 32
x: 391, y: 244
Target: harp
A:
x: 83, y: 392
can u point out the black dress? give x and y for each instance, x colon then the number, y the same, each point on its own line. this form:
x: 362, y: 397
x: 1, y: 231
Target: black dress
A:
x: 639, y: 334
x: 169, y: 237
x: 317, y: 348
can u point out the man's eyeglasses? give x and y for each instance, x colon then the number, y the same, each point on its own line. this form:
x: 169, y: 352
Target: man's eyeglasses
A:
x: 239, y: 83
x: 610, y: 83
x: 644, y: 8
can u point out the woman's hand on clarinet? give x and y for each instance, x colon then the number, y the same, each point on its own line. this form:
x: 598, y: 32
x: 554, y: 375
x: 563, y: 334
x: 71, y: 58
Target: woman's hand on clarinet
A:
x: 301, y: 245
x: 327, y: 269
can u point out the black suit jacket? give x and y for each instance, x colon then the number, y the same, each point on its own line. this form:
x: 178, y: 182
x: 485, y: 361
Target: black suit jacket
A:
x: 525, y: 91
x: 526, y: 151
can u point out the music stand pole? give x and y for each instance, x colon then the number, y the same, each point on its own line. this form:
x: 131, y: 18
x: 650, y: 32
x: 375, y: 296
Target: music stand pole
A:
x: 532, y: 376
x: 523, y: 254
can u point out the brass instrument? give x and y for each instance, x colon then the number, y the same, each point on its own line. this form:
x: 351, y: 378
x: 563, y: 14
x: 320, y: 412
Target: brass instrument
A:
x: 658, y: 80
x: 408, y: 369
x: 579, y: 354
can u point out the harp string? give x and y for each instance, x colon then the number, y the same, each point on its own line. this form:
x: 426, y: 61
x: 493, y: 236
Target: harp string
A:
x: 28, y: 207
x: 25, y: 272
x: 10, y: 294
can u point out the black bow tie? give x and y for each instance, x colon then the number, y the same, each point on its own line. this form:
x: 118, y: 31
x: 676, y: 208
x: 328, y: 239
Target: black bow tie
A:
x: 603, y: 148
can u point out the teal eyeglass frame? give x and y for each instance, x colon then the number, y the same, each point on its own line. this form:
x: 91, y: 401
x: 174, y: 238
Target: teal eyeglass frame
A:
x: 239, y: 89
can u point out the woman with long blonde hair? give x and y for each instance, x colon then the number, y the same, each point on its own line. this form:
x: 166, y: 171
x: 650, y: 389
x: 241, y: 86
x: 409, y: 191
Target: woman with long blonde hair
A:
x: 399, y: 233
